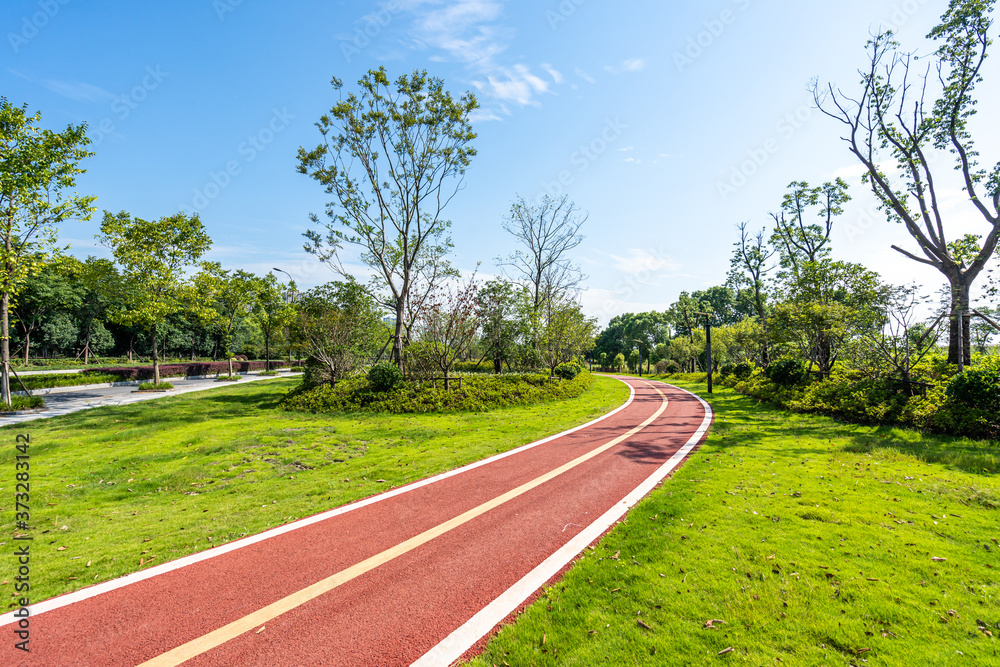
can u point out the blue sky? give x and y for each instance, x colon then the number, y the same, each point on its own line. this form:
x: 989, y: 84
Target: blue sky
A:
x: 669, y: 122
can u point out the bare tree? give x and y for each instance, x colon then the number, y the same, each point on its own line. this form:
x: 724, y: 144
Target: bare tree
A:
x: 547, y: 231
x: 749, y: 269
x: 447, y: 326
x: 900, y: 341
x: 893, y: 114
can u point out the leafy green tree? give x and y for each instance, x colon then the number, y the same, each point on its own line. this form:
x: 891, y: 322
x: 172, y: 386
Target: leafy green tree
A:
x: 152, y: 256
x: 339, y: 327
x: 233, y: 294
x: 895, y: 121
x: 96, y: 277
x: 824, y: 305
x: 272, y: 309
x: 619, y: 362
x: 566, y: 333
x: 634, y: 359
x: 55, y: 290
x: 393, y: 157
x: 502, y: 325
x: 37, y: 169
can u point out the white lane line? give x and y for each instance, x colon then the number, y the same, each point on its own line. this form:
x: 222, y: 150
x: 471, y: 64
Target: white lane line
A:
x: 136, y: 577
x: 452, y: 647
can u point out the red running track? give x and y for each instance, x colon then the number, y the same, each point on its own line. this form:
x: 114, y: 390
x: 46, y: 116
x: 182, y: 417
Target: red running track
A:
x: 468, y: 552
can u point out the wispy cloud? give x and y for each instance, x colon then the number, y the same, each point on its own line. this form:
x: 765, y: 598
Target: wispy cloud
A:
x: 471, y: 32
x: 630, y: 65
x: 74, y: 90
x: 586, y: 77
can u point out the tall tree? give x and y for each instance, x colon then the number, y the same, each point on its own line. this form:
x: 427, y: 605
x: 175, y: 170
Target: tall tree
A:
x: 272, y: 309
x: 799, y: 240
x: 56, y: 289
x: 502, y: 324
x: 548, y: 231
x: 748, y: 271
x: 37, y: 170
x: 153, y: 256
x: 893, y: 114
x: 393, y: 156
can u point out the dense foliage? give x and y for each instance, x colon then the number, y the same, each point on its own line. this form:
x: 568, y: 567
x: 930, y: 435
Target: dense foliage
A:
x: 476, y: 394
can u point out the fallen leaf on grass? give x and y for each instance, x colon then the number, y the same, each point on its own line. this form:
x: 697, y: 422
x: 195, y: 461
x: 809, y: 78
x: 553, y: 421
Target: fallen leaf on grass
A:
x: 61, y: 549
x: 726, y: 650
x: 639, y: 620
x: 938, y: 560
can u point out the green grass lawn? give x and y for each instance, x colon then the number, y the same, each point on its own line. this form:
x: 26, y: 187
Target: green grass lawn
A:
x: 116, y: 490
x: 804, y: 541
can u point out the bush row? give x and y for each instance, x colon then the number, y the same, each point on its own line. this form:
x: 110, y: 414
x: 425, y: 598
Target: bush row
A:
x: 964, y: 406
x: 477, y: 394
x: 188, y: 370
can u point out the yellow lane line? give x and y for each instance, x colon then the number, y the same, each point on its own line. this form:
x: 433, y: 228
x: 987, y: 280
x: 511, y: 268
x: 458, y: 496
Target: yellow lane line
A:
x: 203, y: 644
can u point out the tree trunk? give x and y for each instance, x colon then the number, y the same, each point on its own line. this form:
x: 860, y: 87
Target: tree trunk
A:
x: 397, y: 341
x: 5, y: 351
x: 156, y: 360
x: 27, y: 344
x: 959, y: 303
x: 267, y: 350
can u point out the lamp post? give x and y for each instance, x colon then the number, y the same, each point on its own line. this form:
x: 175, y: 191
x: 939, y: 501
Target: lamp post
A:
x: 289, y: 298
x: 638, y: 348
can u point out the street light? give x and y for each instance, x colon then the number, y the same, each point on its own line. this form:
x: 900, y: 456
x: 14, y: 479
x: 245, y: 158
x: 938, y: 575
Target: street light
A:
x: 639, y: 350
x: 708, y: 347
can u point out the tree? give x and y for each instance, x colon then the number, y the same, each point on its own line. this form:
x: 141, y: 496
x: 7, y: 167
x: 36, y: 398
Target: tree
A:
x: 339, y: 327
x: 823, y: 305
x: 748, y: 271
x: 499, y: 315
x: 893, y: 115
x: 393, y: 158
x: 548, y: 230
x: 53, y: 291
x: 271, y: 309
x: 233, y: 295
x: 153, y: 256
x: 797, y: 240
x: 448, y: 324
x: 566, y: 333
x: 619, y: 362
x: 37, y: 168
x: 96, y: 276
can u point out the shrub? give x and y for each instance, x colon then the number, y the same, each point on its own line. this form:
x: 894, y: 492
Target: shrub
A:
x: 568, y: 371
x: 787, y: 372
x: 743, y: 370
x: 185, y: 370
x: 478, y: 394
x: 150, y: 386
x: 667, y: 367
x: 384, y: 377
x: 24, y: 403
x: 978, y: 388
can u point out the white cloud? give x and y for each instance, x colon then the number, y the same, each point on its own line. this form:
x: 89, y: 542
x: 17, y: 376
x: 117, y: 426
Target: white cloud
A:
x: 470, y: 32
x: 629, y: 65
x: 627, y: 149
x: 586, y: 77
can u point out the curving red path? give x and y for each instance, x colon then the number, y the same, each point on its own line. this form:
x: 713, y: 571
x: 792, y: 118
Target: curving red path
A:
x: 419, y: 574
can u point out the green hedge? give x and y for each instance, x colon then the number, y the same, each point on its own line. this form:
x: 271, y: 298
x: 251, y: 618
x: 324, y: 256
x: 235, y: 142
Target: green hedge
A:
x: 477, y: 394
x: 33, y: 382
x: 857, y: 399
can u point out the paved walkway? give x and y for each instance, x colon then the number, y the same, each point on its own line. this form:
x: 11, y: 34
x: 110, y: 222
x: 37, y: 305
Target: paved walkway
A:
x: 69, y: 402
x: 414, y: 576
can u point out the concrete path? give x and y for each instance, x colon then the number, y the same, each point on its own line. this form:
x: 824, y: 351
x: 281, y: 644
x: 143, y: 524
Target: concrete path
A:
x: 69, y: 402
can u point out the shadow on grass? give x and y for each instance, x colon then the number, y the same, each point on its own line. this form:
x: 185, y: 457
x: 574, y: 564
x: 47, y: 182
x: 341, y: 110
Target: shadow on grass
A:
x: 738, y: 415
